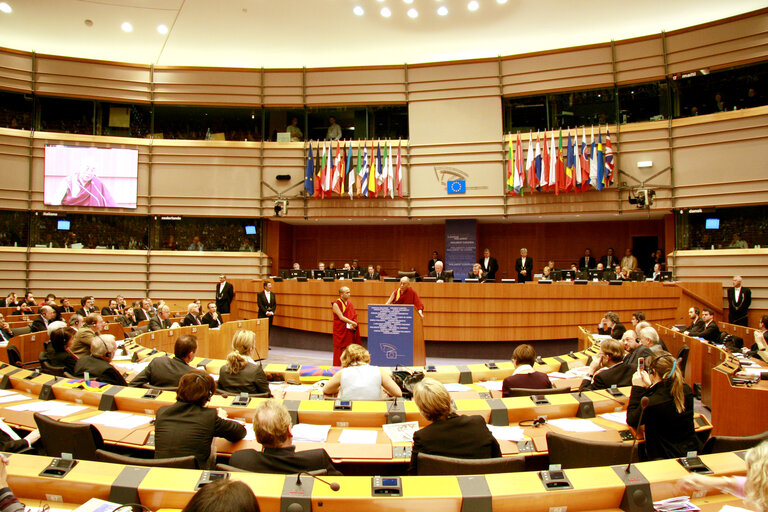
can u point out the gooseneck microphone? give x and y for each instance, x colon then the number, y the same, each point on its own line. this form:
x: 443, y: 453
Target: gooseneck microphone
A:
x: 643, y: 404
x: 333, y: 485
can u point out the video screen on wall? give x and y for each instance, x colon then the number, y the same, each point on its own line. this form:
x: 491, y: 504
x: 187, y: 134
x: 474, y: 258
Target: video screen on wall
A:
x: 98, y: 177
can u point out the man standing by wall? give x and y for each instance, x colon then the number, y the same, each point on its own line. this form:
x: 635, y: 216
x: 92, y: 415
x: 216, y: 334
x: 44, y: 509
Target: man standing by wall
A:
x: 225, y: 293
x: 739, y: 300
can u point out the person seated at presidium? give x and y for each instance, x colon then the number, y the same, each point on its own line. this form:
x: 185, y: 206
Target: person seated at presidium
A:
x: 668, y: 418
x: 608, y: 368
x: 449, y: 434
x: 188, y: 427
x: 761, y: 338
x: 372, y: 275
x: 358, y: 380
x: 165, y: 372
x: 477, y: 273
x: 58, y: 353
x: 241, y: 374
x: 98, y: 363
x: 272, y: 426
x: 440, y: 275
x: 524, y: 376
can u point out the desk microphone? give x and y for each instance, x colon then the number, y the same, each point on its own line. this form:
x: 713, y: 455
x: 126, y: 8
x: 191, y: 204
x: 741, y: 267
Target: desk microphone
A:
x: 612, y: 398
x: 333, y: 485
x: 643, y: 404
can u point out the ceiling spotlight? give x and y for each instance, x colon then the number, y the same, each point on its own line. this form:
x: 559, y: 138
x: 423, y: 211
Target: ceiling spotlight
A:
x: 413, y: 13
x: 442, y: 10
x: 501, y: 1
x: 408, y: 1
x: 386, y: 12
x: 359, y: 11
x: 163, y: 29
x: 473, y: 5
x: 127, y: 27
x: 7, y: 9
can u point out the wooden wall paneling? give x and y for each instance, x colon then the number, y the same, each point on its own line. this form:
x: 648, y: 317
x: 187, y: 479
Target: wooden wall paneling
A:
x: 60, y: 76
x: 15, y: 70
x: 189, y: 86
x: 283, y: 88
x: 13, y: 270
x: 445, y: 81
x: 367, y: 86
x: 640, y: 59
x: 14, y: 169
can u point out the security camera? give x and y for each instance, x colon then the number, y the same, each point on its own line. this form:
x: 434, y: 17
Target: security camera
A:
x: 281, y: 207
x: 643, y: 198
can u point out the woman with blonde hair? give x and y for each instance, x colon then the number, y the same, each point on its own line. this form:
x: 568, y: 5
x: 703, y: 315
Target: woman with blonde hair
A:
x: 668, y: 417
x: 241, y: 374
x: 358, y: 380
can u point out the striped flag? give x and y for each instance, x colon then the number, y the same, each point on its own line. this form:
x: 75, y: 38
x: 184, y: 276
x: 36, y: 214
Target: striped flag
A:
x: 545, y: 162
x: 519, y: 170
x: 328, y: 172
x: 390, y: 173
x: 358, y: 173
x: 365, y: 173
x: 570, y: 163
x: 577, y: 162
x: 537, y: 161
x: 338, y: 170
x: 320, y: 176
x: 584, y: 159
x: 384, y: 170
x: 593, y: 160
x: 399, y: 172
x: 510, y: 165
x: 600, y: 160
x: 372, y: 174
x: 350, y: 172
x: 530, y: 166
x: 610, y: 164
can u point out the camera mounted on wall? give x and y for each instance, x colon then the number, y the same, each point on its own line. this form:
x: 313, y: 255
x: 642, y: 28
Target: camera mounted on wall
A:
x: 642, y: 197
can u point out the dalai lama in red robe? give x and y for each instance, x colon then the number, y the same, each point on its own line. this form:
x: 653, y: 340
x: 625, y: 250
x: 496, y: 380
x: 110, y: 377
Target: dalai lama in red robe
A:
x: 406, y: 295
x: 345, y: 328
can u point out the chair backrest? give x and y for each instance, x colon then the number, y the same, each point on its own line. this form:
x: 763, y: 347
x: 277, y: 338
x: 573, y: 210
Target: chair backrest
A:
x: 530, y: 391
x: 57, y: 371
x: 231, y: 469
x: 572, y: 452
x: 80, y: 440
x: 682, y: 358
x: 147, y: 385
x: 428, y: 464
x: 719, y: 444
x: 187, y: 462
x: 14, y: 356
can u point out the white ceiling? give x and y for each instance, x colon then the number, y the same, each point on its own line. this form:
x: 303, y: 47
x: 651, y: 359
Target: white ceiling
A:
x: 317, y: 33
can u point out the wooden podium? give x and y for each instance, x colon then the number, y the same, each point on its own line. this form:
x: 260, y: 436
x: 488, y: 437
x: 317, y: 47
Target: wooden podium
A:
x: 395, y: 335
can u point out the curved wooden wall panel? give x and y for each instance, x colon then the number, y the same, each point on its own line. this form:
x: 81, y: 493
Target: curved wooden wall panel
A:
x: 58, y: 76
x: 191, y: 86
x: 283, y: 88
x: 15, y: 71
x: 352, y: 86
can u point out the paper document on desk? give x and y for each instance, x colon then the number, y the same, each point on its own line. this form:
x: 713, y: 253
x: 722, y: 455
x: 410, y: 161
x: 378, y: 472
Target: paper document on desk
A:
x: 132, y: 367
x: 731, y: 508
x: 49, y: 408
x: 490, y: 385
x: 455, y: 386
x: 676, y: 504
x: 297, y: 388
x: 97, y: 505
x: 14, y: 397
x: 574, y: 425
x: 118, y: 420
x: 580, y: 371
x: 6, y: 392
x: 250, y: 435
x: 349, y: 436
x: 307, y: 433
x: 401, y: 432
x: 559, y: 375
x: 616, y: 417
x: 507, y: 433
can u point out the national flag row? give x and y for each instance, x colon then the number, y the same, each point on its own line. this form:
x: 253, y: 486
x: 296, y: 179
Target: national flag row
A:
x: 553, y: 167
x: 363, y: 171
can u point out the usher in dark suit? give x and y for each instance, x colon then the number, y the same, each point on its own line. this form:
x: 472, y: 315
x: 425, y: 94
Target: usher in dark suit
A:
x: 737, y: 310
x: 283, y: 460
x: 528, y: 268
x: 162, y: 372
x: 224, y: 297
x: 490, y: 271
x: 265, y: 305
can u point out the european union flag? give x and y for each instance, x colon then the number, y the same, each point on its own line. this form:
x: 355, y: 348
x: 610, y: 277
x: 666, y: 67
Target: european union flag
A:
x: 457, y: 187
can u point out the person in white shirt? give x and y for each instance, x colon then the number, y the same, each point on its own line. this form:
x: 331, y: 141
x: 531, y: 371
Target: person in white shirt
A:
x: 358, y: 380
x: 334, y: 130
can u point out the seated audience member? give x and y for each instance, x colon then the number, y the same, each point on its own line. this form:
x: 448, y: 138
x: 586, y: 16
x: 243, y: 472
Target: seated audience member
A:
x: 161, y: 320
x: 524, y: 376
x: 372, y: 275
x: 165, y: 372
x: 88, y: 306
x: 634, y: 349
x: 76, y: 322
x: 272, y: 426
x: 358, y: 380
x: 477, y: 273
x: 656, y: 274
x: 649, y: 337
x: 608, y: 368
x: 441, y: 275
x: 223, y: 495
x: 212, y: 317
x: 92, y: 326
x: 668, y: 419
x: 65, y: 306
x: 39, y: 324
x: 380, y: 270
x: 628, y: 262
x: 8, y: 502
x: 144, y: 312
x: 637, y: 317
x: 193, y: 315
x: 121, y: 305
x: 24, y: 309
x: 188, y: 427
x: 241, y: 374
x: 58, y: 352
x: 97, y: 364
x: 761, y: 338
x: 697, y: 324
x: 5, y: 330
x: 753, y: 488
x: 127, y: 318
x: 610, y: 325
x: 710, y: 332
x: 11, y: 301
x: 449, y: 434
x: 110, y: 310
x: 623, y: 274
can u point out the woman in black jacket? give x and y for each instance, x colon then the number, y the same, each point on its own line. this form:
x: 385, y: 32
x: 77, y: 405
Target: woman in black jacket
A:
x: 241, y: 374
x: 58, y: 353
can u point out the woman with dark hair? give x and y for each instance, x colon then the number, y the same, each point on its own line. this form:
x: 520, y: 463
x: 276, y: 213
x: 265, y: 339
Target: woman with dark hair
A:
x: 188, y: 427
x: 58, y: 353
x: 223, y: 496
x: 524, y: 376
x: 668, y: 417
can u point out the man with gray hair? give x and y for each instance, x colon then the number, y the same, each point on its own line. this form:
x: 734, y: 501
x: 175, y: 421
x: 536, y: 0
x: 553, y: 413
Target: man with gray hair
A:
x: 739, y: 300
x: 47, y: 314
x: 161, y: 321
x: 610, y: 325
x: 76, y: 321
x: 634, y: 349
x: 524, y: 266
x: 650, y: 338
x: 440, y: 275
x: 97, y: 364
x: 193, y: 315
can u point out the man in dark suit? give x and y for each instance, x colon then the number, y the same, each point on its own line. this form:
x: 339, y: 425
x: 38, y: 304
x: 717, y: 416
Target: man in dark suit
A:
x: 372, y: 275
x: 47, y: 314
x: 440, y: 275
x: 610, y: 325
x: 110, y: 310
x: 165, y: 372
x: 477, y: 273
x: 225, y: 293
x: 711, y: 331
x: 97, y: 364
x: 739, y: 300
x: 212, y: 317
x: 635, y: 350
x: 161, y: 321
x: 587, y: 261
x: 608, y: 368
x: 88, y: 306
x: 5, y: 330
x: 697, y: 324
x: 609, y: 261
x: 143, y: 313
x: 271, y: 423
x: 65, y: 307
x: 524, y: 266
x: 267, y: 302
x: 193, y: 315
x: 489, y: 265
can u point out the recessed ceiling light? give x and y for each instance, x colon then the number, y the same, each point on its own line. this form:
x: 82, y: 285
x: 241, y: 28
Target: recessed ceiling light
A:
x: 501, y: 1
x: 413, y: 13
x: 473, y: 5
x: 386, y: 12
x: 163, y: 29
x: 408, y: 1
x: 7, y: 9
x: 442, y: 10
x: 359, y: 11
x: 127, y: 27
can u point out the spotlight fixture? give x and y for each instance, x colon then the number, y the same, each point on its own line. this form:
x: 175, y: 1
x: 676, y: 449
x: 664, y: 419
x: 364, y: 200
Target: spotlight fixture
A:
x: 442, y: 11
x: 359, y: 11
x: 386, y: 12
x: 643, y: 198
x: 413, y: 13
x: 473, y: 5
x: 4, y: 7
x: 127, y: 27
x: 281, y: 207
x: 163, y: 29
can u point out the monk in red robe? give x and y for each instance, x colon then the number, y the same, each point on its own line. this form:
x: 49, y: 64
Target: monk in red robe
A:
x: 406, y: 295
x: 345, y: 331
x: 84, y: 188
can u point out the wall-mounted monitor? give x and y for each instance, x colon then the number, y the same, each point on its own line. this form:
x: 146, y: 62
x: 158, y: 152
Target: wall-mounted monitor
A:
x: 62, y: 225
x: 95, y: 177
x: 250, y: 230
x: 712, y: 223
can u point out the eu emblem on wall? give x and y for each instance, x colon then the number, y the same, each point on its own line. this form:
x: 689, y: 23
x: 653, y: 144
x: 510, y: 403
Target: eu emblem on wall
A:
x: 456, y: 187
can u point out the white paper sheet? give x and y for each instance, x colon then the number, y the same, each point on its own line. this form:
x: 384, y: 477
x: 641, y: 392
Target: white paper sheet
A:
x: 307, y: 433
x: 250, y: 435
x: 349, y: 436
x: 64, y: 410
x: 575, y: 425
x: 401, y: 432
x: 455, y: 386
x: 13, y: 397
x: 558, y: 375
x: 616, y: 417
x: 297, y: 388
x: 116, y: 419
x: 9, y: 431
x: 490, y: 385
x: 6, y: 392
x: 507, y: 433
